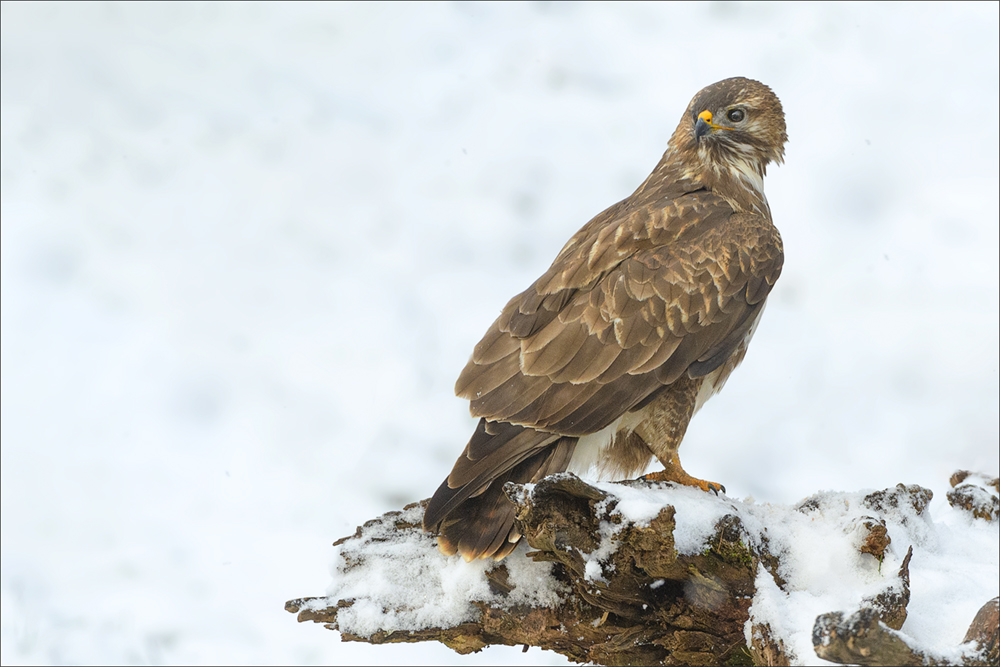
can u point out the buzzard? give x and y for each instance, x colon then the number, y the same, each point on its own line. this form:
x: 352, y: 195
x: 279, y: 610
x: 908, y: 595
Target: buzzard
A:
x: 601, y: 363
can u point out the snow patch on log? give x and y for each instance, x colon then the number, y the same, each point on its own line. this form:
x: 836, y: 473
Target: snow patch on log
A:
x: 656, y: 573
x: 394, y: 578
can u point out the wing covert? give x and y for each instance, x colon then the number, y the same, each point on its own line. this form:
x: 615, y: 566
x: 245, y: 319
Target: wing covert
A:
x: 628, y: 306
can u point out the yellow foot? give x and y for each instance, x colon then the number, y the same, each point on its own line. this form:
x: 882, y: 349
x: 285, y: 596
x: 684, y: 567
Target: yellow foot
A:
x: 681, y: 477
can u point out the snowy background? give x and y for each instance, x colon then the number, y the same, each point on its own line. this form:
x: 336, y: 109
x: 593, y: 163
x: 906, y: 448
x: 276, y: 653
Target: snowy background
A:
x: 246, y: 250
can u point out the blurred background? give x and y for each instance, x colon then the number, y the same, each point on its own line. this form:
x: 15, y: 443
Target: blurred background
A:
x: 247, y: 249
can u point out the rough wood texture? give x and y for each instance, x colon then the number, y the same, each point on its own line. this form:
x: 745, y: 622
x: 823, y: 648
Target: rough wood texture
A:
x: 985, y: 632
x: 862, y: 639
x: 649, y: 605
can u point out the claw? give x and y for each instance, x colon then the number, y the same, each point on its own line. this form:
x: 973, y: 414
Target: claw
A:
x: 680, y: 477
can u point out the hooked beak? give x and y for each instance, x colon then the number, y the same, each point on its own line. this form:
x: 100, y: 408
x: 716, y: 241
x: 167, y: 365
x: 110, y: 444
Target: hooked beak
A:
x: 704, y: 125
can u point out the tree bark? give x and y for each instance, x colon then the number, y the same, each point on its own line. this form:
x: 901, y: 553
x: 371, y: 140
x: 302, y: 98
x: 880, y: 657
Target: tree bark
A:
x: 650, y: 605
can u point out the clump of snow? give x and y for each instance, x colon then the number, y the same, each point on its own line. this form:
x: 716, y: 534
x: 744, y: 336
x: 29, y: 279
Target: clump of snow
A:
x: 398, y: 580
x: 593, y: 570
x: 596, y: 560
x: 976, y: 493
x: 697, y: 512
x: 954, y: 569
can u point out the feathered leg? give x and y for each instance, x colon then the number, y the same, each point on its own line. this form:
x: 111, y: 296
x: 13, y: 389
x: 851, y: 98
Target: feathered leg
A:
x: 665, y: 422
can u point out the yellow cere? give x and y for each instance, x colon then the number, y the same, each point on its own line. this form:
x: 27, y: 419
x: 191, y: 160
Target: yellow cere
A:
x: 706, y: 116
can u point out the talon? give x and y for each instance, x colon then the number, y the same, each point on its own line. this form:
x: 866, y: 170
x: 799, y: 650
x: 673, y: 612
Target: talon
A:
x: 678, y: 476
x: 709, y: 487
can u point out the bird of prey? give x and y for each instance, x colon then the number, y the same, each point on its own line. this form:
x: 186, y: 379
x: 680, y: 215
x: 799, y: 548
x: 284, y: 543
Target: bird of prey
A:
x: 601, y: 363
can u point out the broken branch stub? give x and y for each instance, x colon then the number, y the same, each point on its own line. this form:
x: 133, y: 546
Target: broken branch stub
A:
x: 862, y: 639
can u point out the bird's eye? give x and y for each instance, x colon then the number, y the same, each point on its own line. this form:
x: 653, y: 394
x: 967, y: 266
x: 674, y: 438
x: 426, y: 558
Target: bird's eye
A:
x: 735, y: 115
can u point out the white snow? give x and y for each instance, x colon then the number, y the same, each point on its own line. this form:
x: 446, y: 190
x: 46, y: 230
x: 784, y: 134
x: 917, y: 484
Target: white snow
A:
x: 955, y: 569
x: 701, y: 511
x: 246, y: 250
x: 406, y: 584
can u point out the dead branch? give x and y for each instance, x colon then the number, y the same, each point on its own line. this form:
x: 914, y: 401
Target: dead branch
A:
x: 639, y: 601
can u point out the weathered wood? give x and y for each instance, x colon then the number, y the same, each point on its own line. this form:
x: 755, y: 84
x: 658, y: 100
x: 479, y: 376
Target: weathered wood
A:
x: 974, y: 499
x: 862, y: 639
x: 985, y: 632
x: 641, y: 602
x: 890, y: 604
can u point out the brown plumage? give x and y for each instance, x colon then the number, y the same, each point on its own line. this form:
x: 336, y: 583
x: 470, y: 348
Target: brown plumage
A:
x: 602, y: 362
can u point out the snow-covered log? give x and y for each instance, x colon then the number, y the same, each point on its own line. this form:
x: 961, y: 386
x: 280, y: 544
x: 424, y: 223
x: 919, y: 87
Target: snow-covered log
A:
x: 641, y: 573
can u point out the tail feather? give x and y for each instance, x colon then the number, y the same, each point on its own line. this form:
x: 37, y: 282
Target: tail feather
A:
x: 494, y: 449
x: 482, y: 525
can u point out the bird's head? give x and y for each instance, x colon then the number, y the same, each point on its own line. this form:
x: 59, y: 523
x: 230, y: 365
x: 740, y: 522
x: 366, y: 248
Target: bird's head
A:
x: 735, y: 126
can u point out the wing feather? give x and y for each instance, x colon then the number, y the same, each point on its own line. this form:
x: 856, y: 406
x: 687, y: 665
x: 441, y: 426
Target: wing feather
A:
x: 557, y: 352
x: 593, y: 358
x: 511, y: 398
x: 494, y: 346
x: 628, y: 306
x: 482, y: 379
x: 668, y: 345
